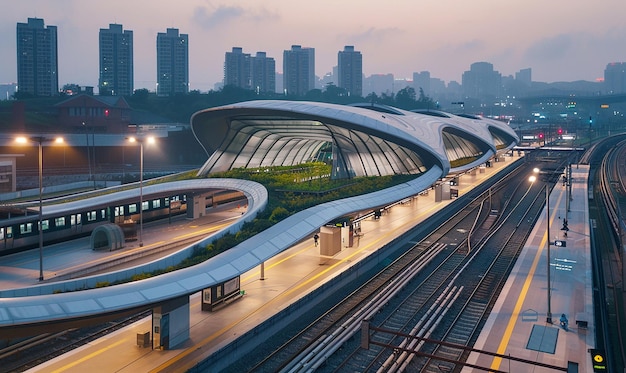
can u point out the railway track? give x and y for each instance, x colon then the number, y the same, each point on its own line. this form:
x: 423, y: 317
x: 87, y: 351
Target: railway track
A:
x: 33, y: 351
x: 39, y: 349
x: 469, y: 291
x: 419, y: 288
x: 607, y: 227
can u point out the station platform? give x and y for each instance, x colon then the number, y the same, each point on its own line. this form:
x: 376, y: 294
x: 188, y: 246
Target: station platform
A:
x: 517, y: 325
x: 63, y: 260
x: 287, y: 277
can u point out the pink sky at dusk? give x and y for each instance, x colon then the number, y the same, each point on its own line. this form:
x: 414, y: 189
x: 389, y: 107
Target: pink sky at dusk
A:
x: 560, y: 40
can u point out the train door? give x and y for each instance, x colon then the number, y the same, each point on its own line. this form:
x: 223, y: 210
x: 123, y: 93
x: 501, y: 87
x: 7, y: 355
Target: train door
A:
x: 118, y: 214
x: 76, y: 223
x: 6, y: 238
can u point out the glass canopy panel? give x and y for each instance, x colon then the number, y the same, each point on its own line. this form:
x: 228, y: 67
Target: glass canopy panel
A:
x: 459, y: 148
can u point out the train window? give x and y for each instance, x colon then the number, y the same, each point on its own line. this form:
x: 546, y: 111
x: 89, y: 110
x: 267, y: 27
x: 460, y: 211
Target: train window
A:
x: 78, y: 218
x: 145, y: 205
x: 156, y: 203
x: 91, y: 216
x: 166, y: 201
x: 26, y: 228
x: 132, y: 208
x: 59, y: 222
x: 1, y: 233
x: 103, y: 214
x: 9, y: 232
x: 119, y: 210
x: 45, y: 224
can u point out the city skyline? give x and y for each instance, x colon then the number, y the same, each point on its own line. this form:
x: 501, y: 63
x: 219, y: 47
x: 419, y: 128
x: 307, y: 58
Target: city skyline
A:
x: 560, y: 41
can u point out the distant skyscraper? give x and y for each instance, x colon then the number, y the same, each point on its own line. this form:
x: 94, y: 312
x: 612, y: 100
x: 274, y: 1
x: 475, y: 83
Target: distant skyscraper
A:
x: 615, y: 78
x: 350, y: 71
x: 237, y: 68
x: 172, y: 63
x: 421, y: 80
x: 116, y: 61
x: 263, y: 73
x: 37, y: 61
x: 379, y: 84
x: 524, y: 76
x: 481, y: 81
x: 298, y: 70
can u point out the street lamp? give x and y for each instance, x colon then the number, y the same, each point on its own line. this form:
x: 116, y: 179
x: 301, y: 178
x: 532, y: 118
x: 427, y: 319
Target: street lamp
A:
x: 40, y: 140
x: 149, y: 140
x: 532, y: 179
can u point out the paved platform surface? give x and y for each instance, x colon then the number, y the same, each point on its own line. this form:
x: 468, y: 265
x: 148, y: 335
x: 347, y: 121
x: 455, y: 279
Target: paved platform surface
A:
x: 288, y: 276
x: 517, y: 324
x: 59, y: 260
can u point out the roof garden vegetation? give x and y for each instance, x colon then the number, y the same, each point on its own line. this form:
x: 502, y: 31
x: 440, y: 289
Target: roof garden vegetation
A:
x: 290, y: 189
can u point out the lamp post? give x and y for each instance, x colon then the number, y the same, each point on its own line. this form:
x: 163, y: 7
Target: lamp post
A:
x: 549, y: 312
x: 40, y: 140
x: 149, y: 140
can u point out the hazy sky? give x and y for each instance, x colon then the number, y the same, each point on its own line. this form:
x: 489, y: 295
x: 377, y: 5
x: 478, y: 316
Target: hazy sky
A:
x: 561, y: 40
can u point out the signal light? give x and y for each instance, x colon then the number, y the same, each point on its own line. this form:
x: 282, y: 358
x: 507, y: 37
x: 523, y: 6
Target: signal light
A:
x: 541, y: 135
x: 560, y: 131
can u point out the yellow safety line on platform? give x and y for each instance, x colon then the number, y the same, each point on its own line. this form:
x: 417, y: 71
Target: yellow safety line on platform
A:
x: 87, y: 357
x: 205, y: 341
x: 508, y: 332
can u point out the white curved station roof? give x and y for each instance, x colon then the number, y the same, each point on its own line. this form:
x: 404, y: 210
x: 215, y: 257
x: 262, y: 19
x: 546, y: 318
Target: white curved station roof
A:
x: 364, y: 142
x: 264, y: 133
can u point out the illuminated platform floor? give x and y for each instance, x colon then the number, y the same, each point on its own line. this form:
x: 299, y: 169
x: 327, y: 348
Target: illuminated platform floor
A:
x: 517, y: 325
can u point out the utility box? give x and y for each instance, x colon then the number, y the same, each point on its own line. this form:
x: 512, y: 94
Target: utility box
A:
x: 330, y: 240
x: 143, y: 339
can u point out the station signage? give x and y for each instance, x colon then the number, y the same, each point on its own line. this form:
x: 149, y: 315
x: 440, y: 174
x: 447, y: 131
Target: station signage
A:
x: 598, y: 360
x: 559, y: 243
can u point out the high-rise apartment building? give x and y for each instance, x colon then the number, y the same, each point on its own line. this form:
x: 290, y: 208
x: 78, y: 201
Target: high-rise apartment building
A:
x: 350, y: 71
x: 172, y: 63
x: 116, y: 61
x: 263, y: 73
x: 421, y: 81
x: 481, y: 81
x: 37, y: 60
x: 298, y: 70
x: 237, y: 69
x: 379, y: 84
x: 525, y: 76
x: 615, y: 78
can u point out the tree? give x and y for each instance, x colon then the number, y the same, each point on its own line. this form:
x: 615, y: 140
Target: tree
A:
x: 405, y: 98
x: 71, y: 89
x: 332, y: 93
x: 141, y: 94
x: 425, y: 102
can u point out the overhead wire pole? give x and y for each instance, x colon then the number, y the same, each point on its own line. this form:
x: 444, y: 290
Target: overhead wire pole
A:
x: 549, y: 313
x: 40, y: 228
x: 141, y: 193
x: 39, y: 140
x: 532, y: 179
x: 150, y: 140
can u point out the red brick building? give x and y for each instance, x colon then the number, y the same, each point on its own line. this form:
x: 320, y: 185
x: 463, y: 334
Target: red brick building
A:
x: 101, y: 114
